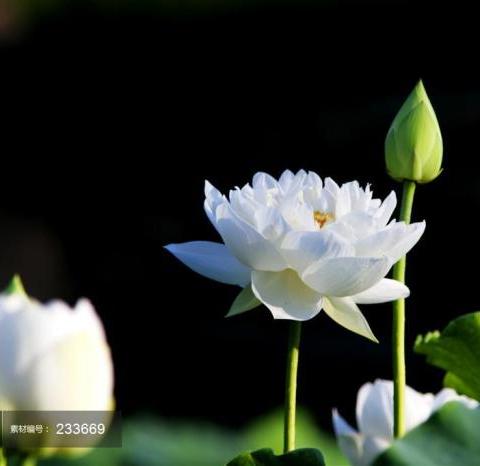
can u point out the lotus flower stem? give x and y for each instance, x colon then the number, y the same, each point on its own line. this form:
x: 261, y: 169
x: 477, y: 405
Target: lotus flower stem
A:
x: 398, y: 336
x: 291, y: 385
x: 28, y: 461
x: 20, y: 460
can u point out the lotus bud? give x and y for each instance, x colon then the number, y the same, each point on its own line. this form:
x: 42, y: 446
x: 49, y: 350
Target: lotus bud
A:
x: 413, y: 146
x: 52, y: 357
x: 375, y: 418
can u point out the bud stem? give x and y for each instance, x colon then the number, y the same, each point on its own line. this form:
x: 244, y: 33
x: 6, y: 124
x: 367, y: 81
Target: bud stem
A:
x: 28, y: 461
x: 398, y: 336
x: 291, y: 386
x: 16, y: 459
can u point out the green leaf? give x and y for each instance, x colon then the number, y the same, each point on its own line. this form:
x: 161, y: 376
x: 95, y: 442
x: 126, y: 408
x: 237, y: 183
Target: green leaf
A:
x: 268, y: 430
x: 15, y: 287
x: 245, y: 301
x: 150, y: 441
x: 451, y: 437
x: 456, y: 350
x: 266, y: 457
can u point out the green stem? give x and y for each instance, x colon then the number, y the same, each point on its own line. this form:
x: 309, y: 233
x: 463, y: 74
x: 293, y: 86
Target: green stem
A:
x: 28, y: 461
x: 291, y: 386
x: 398, y: 337
x: 18, y: 460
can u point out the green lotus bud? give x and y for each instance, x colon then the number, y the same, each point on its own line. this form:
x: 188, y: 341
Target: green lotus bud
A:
x: 414, y: 147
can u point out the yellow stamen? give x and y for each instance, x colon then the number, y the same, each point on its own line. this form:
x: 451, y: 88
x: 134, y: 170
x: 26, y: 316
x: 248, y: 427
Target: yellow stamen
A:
x: 321, y: 218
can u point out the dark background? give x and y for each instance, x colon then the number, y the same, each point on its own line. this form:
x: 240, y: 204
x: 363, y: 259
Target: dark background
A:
x: 113, y: 114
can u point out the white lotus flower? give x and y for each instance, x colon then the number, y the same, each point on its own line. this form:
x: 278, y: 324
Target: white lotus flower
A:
x: 300, y: 245
x: 52, y: 357
x: 375, y: 418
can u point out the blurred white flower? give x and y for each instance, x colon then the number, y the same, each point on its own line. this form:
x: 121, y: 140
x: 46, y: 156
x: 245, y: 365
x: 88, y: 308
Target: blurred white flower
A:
x: 302, y: 245
x: 52, y: 357
x: 375, y: 418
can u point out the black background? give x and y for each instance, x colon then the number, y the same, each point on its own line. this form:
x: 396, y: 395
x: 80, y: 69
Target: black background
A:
x: 113, y: 118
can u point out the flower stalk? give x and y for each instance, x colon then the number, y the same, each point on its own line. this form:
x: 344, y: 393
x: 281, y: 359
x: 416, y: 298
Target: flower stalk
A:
x: 291, y: 386
x: 17, y: 459
x: 398, y: 336
x: 28, y: 461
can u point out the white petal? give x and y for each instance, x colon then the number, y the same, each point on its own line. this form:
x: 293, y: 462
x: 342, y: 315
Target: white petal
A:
x: 327, y: 200
x: 418, y: 407
x: 331, y: 187
x: 340, y: 426
x: 265, y: 189
x: 360, y: 450
x: 269, y: 223
x: 374, y: 205
x: 76, y: 375
x: 286, y: 295
x: 359, y: 199
x: 413, y: 234
x: 286, y: 179
x: 383, y: 291
x: 299, y: 180
x: 23, y: 319
x: 263, y: 180
x: 361, y: 224
x: 346, y: 313
x: 448, y: 394
x: 385, y: 211
x: 303, y: 248
x: 345, y: 276
x: 212, y: 260
x: 298, y: 214
x: 314, y: 181
x: 343, y: 202
x: 375, y: 409
x: 373, y: 447
x: 393, y: 241
x: 244, y: 205
x: 292, y: 184
x: 349, y: 441
x: 247, y: 244
x: 49, y: 355
x: 213, y: 198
